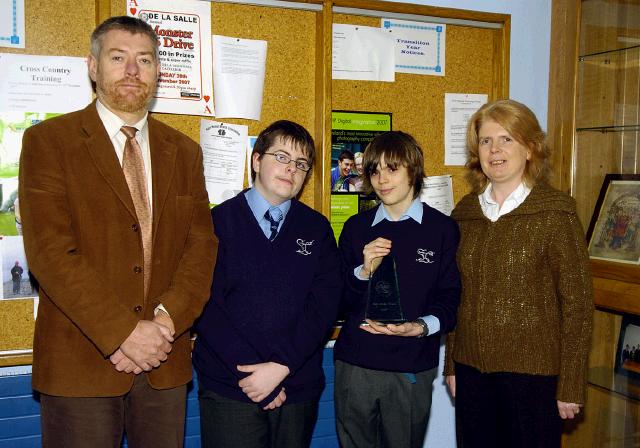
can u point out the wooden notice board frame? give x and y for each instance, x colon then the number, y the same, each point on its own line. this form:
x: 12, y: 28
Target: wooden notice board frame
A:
x: 298, y: 84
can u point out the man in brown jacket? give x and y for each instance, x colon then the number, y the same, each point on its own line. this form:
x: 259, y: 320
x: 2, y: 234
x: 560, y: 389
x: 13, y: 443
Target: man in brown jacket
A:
x: 122, y: 277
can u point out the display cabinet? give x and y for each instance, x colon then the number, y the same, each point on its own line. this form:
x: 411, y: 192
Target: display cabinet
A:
x: 594, y: 129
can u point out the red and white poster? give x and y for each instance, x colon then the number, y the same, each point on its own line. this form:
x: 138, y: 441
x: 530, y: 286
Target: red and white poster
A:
x: 184, y: 36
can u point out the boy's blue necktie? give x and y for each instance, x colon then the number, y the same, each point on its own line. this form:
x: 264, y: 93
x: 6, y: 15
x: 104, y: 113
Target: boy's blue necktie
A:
x: 274, y: 216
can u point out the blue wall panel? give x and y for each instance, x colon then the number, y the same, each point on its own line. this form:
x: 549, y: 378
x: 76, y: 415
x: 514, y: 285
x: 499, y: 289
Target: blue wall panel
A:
x: 19, y: 405
x: 21, y: 442
x: 11, y: 386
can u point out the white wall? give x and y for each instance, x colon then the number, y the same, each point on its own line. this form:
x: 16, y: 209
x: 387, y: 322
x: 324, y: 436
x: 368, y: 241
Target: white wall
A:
x: 529, y: 84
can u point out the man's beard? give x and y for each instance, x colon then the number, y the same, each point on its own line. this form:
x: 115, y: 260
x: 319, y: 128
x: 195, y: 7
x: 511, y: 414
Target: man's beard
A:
x: 128, y: 102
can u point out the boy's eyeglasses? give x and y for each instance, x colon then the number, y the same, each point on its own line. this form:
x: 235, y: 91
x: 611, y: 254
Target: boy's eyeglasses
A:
x: 301, y: 164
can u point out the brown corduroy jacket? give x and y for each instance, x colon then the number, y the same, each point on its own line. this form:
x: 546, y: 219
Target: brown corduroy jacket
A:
x: 527, y: 300
x: 83, y: 245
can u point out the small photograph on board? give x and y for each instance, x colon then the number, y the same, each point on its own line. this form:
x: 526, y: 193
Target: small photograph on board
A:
x: 16, y: 280
x: 613, y: 234
x: 628, y: 353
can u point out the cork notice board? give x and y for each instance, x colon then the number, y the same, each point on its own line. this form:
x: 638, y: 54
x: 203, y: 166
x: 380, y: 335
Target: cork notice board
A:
x: 298, y: 84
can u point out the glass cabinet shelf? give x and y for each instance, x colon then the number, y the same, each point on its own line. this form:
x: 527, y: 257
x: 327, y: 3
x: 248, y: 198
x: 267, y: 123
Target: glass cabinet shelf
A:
x: 583, y: 57
x: 607, y: 99
x: 613, y: 128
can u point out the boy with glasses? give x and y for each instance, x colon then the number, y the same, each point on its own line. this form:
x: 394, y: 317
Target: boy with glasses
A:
x: 274, y: 297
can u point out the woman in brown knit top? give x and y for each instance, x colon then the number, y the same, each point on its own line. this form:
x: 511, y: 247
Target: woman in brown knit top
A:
x: 516, y: 363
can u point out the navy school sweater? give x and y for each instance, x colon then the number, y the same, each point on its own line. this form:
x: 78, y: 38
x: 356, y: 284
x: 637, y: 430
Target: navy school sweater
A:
x: 429, y: 284
x: 270, y: 301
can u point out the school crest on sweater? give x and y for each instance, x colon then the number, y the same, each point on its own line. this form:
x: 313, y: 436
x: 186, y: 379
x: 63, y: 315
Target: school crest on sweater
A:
x: 424, y: 254
x: 304, y: 246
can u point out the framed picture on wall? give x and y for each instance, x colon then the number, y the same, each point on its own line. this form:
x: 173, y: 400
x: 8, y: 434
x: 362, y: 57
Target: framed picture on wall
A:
x: 628, y: 352
x: 614, y: 231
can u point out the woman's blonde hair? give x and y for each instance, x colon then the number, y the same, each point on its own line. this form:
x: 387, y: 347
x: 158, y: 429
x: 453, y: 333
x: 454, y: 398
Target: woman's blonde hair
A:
x: 521, y: 123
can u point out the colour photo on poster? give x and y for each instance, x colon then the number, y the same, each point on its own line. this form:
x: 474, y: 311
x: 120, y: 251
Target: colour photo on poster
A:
x: 16, y: 282
x: 12, y: 127
x: 184, y: 36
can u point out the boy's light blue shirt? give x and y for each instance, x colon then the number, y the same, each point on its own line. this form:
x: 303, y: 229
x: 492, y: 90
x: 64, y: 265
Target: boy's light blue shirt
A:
x: 414, y: 212
x: 259, y: 206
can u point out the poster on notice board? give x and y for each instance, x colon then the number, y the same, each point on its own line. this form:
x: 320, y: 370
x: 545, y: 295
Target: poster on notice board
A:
x: 351, y: 132
x: 185, y: 85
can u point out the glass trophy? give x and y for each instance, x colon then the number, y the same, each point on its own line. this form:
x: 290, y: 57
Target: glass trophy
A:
x: 383, y: 295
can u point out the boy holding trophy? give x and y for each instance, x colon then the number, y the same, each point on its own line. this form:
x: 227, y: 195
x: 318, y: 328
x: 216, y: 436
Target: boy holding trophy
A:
x: 402, y: 292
